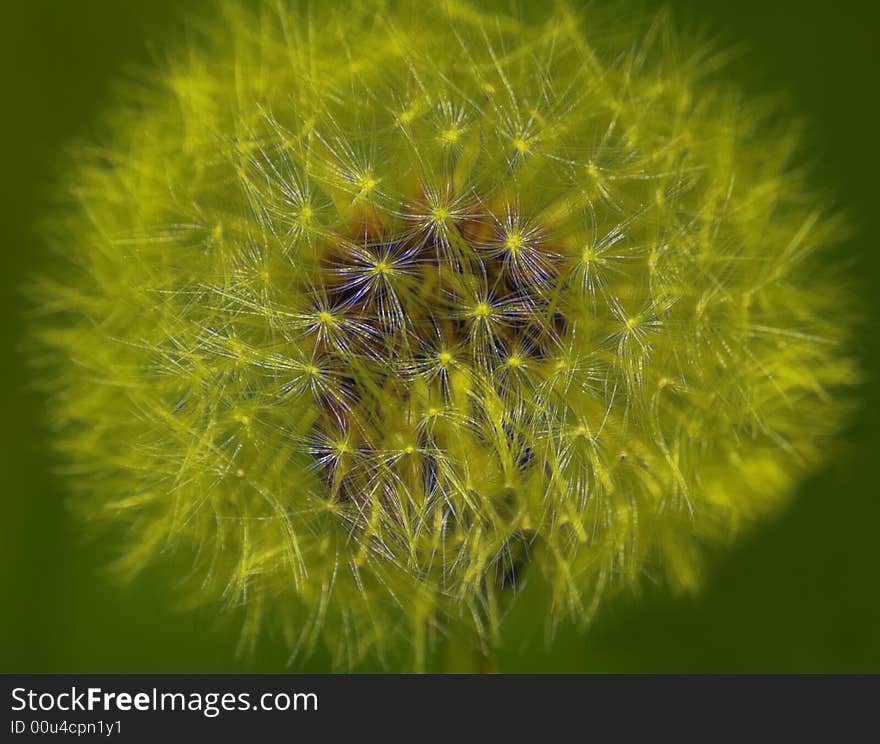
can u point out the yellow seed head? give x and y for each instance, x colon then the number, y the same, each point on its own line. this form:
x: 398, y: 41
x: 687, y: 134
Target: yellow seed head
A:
x: 362, y: 379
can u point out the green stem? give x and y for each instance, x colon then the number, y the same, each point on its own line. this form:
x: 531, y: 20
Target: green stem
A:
x: 465, y: 656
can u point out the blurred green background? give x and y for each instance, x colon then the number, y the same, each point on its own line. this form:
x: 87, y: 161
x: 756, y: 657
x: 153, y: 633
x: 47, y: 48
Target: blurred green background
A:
x: 799, y: 595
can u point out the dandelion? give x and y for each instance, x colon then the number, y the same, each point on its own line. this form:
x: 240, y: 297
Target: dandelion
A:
x: 378, y: 315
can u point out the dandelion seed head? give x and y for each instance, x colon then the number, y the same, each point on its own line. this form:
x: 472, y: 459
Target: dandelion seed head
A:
x: 389, y: 312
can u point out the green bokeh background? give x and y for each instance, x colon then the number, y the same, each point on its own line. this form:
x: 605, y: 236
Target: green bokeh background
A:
x: 798, y: 595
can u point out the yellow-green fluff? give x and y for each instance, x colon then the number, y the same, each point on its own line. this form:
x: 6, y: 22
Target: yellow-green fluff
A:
x: 379, y: 310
